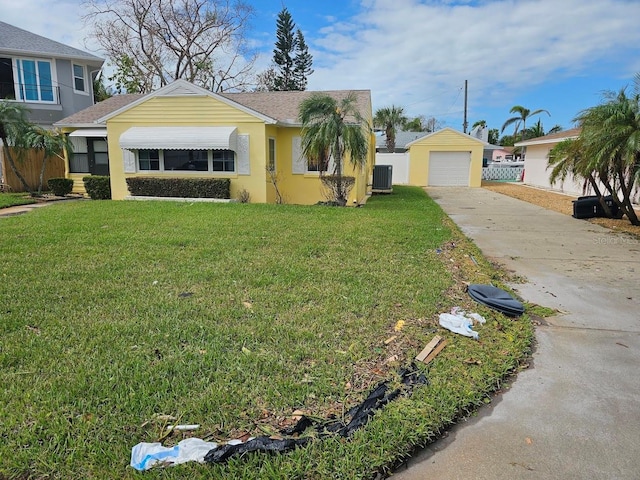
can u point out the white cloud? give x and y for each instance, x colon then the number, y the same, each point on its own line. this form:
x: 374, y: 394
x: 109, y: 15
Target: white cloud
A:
x: 417, y: 53
x: 406, y: 51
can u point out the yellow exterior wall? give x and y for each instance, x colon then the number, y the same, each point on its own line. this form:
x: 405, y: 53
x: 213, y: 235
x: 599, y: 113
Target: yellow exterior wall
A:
x: 447, y: 140
x: 190, y: 111
x: 185, y: 110
x: 306, y: 189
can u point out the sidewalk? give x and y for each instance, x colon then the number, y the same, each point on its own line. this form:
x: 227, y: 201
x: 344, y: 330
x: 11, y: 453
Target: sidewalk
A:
x: 575, y: 414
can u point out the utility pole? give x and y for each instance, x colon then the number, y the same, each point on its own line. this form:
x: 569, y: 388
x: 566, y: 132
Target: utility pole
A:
x: 465, y: 124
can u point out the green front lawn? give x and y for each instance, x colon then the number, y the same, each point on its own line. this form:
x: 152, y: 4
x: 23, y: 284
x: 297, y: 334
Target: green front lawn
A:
x: 233, y: 316
x: 12, y: 199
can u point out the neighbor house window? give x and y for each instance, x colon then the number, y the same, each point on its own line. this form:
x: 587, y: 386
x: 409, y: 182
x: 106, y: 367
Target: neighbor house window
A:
x: 271, y: 163
x: 186, y: 160
x: 7, y: 84
x: 149, y: 159
x: 79, y: 161
x: 79, y: 79
x: 35, y: 83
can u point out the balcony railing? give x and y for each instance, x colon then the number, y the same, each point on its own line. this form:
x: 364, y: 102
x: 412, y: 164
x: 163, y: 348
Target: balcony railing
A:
x: 31, y: 93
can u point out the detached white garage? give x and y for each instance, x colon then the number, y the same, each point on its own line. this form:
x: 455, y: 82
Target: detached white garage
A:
x: 448, y: 169
x: 446, y: 158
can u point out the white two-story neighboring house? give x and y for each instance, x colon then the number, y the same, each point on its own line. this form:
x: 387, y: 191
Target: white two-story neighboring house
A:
x: 51, y: 79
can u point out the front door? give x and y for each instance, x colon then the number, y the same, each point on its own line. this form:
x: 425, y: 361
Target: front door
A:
x: 98, y: 156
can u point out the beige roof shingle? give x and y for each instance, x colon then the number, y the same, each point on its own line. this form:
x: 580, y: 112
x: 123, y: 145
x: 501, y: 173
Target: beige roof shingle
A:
x: 280, y: 106
x: 283, y: 106
x: 91, y: 114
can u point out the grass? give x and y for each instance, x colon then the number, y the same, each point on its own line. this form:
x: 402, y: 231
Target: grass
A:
x: 12, y: 199
x: 233, y: 316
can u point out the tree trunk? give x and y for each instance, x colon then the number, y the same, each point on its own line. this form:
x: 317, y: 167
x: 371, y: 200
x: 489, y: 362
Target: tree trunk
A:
x: 44, y: 166
x: 601, y: 199
x: 627, y: 206
x: 14, y: 169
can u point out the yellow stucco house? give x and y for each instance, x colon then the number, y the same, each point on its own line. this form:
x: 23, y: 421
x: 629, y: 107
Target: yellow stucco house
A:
x: 182, y: 130
x: 446, y: 158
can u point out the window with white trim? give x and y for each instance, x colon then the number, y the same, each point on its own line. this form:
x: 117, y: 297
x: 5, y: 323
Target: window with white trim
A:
x: 186, y: 160
x: 79, y: 79
x: 149, y: 160
x: 27, y: 79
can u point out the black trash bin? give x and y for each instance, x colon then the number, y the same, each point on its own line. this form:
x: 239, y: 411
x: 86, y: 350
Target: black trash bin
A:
x: 589, y: 207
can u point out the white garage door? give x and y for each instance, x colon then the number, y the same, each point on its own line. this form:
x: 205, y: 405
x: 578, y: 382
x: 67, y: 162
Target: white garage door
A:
x: 449, y: 169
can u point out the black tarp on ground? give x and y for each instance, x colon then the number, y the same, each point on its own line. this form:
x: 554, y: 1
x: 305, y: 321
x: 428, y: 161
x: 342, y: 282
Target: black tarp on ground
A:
x: 358, y: 416
x: 496, y: 298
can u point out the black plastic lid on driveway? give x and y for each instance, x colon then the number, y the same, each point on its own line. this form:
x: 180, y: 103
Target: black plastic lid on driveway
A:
x: 497, y: 299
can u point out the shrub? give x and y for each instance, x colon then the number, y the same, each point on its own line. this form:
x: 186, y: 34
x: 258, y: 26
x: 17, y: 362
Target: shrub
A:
x: 337, y: 188
x: 60, y: 186
x: 244, y: 196
x: 180, y: 187
x: 98, y: 187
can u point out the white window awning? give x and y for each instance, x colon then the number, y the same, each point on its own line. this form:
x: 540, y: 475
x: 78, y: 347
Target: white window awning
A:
x: 180, y: 138
x: 89, y: 132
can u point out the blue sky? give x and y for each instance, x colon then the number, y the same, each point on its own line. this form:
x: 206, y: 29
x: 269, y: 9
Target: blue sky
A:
x: 558, y: 55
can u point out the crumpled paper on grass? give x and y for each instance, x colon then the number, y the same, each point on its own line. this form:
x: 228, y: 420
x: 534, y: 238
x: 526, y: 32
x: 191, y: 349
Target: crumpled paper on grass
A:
x: 459, y: 321
x: 146, y: 455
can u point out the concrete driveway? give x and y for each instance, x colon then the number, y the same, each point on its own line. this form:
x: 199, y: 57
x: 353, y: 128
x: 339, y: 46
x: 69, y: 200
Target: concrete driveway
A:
x: 575, y: 414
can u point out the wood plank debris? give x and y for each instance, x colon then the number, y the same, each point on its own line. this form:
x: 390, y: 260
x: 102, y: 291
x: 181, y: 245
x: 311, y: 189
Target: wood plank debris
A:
x: 433, y: 348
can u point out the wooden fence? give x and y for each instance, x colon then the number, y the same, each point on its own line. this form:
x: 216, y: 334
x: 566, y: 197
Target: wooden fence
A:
x: 29, y: 166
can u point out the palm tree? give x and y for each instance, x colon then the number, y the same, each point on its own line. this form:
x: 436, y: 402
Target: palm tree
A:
x: 537, y: 130
x: 611, y: 136
x: 333, y: 129
x: 390, y: 118
x: 521, y: 119
x: 13, y: 124
x: 50, y: 143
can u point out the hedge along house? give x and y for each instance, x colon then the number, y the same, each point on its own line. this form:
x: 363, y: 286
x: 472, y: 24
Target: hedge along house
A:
x: 184, y: 131
x: 446, y: 158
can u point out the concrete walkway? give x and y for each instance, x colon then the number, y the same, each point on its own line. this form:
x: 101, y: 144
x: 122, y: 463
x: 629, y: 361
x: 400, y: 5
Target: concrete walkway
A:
x: 22, y: 209
x: 575, y: 414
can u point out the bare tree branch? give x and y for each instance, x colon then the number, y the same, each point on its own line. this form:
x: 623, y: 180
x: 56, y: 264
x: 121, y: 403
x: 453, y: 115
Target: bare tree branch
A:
x: 153, y: 42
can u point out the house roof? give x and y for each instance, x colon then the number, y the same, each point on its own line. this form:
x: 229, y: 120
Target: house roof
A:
x: 273, y: 107
x: 402, y: 139
x: 15, y: 40
x: 283, y: 106
x: 448, y: 129
x: 551, y: 138
x: 90, y: 115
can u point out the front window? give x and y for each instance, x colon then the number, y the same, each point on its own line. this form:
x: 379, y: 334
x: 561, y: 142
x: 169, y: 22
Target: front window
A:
x: 149, y: 159
x: 79, y: 83
x: 223, y: 161
x: 186, y: 160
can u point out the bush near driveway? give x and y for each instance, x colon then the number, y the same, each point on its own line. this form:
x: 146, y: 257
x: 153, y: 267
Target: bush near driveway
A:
x: 233, y: 316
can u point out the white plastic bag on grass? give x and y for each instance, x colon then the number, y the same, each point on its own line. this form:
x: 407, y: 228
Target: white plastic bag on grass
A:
x: 146, y: 455
x: 461, y: 322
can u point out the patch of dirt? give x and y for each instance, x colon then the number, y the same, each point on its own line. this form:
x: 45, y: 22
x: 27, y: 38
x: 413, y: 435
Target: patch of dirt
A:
x: 557, y: 202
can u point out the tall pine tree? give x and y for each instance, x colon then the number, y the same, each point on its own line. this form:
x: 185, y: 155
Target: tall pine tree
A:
x: 291, y: 56
x: 303, y: 60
